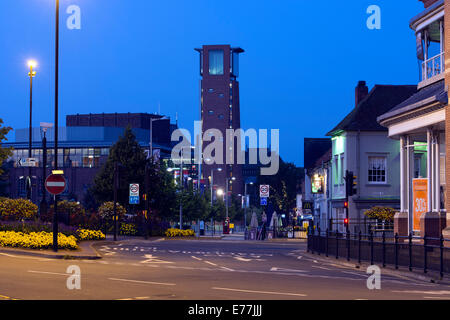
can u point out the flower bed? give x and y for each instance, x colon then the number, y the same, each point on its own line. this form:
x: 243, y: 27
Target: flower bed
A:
x: 36, y: 240
x: 172, y: 233
x: 85, y: 234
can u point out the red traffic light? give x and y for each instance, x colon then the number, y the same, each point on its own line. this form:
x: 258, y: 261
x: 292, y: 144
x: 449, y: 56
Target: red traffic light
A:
x: 346, y: 221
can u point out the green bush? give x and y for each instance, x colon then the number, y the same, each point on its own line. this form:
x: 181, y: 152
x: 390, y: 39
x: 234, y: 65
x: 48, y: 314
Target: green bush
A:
x: 17, y: 209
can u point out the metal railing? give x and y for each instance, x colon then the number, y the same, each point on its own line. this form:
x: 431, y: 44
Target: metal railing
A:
x: 426, y: 253
x: 433, y: 67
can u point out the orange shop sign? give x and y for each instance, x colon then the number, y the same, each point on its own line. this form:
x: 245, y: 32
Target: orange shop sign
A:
x: 420, y: 198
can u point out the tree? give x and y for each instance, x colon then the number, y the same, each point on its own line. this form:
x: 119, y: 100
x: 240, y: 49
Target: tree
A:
x: 381, y: 213
x: 283, y: 186
x: 196, y: 206
x: 162, y: 192
x: 5, y: 153
x: 132, y: 159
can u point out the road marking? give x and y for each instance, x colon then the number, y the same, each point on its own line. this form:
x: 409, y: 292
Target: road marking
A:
x: 442, y: 298
x: 439, y: 293
x: 142, y: 298
x: 285, y: 270
x: 355, y: 274
x: 318, y: 267
x: 248, y: 259
x: 193, y: 257
x: 213, y: 264
x: 227, y: 269
x: 151, y: 259
x: 262, y: 292
x: 45, y: 272
x: 143, y: 282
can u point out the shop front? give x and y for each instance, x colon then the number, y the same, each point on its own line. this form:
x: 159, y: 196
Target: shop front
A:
x: 419, y: 124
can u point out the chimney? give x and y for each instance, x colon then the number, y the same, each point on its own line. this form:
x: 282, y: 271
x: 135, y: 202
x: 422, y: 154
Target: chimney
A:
x: 361, y: 92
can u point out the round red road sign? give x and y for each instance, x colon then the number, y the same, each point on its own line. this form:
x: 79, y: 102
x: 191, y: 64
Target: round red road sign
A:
x: 55, y: 184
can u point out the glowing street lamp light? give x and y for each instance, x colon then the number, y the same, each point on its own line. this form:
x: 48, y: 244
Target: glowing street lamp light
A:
x: 31, y: 64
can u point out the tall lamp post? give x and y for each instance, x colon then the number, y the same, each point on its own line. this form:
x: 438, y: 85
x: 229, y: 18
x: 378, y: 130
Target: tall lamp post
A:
x: 32, y: 64
x: 44, y: 128
x: 55, y: 215
x: 245, y: 203
x: 212, y: 195
x: 226, y: 193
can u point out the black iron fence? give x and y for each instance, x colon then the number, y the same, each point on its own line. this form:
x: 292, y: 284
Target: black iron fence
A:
x: 424, y: 253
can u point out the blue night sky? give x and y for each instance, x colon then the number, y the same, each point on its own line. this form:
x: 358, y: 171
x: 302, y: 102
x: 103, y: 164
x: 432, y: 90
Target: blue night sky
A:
x: 303, y: 59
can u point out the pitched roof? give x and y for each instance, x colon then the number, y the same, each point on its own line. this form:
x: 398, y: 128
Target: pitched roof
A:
x: 380, y: 99
x: 430, y: 94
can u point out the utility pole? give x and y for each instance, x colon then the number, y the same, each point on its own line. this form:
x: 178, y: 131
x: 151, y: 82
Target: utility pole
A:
x: 43, y: 210
x: 31, y: 74
x: 115, y: 183
x: 147, y: 206
x: 55, y: 216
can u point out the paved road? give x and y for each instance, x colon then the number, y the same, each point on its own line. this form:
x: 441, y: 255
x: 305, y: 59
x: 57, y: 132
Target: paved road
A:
x: 222, y: 270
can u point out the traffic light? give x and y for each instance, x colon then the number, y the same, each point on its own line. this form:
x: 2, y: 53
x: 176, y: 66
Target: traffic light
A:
x: 346, y: 204
x: 351, y: 184
x: 346, y: 223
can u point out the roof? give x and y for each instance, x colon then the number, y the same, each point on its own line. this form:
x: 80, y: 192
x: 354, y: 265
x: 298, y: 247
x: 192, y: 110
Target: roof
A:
x: 314, y: 149
x: 433, y: 93
x: 380, y: 99
x: 431, y: 8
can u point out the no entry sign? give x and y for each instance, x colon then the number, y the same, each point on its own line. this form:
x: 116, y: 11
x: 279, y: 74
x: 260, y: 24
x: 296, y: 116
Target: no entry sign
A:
x: 55, y: 184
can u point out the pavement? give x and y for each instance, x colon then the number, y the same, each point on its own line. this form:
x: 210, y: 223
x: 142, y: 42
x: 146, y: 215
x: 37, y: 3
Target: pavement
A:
x: 159, y: 269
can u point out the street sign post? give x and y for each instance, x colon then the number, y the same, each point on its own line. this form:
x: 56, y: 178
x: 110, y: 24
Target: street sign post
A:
x: 264, y: 201
x: 134, y: 193
x: 55, y: 184
x: 264, y: 191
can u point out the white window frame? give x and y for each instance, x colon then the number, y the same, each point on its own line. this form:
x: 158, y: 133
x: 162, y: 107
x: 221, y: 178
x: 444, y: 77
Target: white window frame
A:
x: 369, y: 167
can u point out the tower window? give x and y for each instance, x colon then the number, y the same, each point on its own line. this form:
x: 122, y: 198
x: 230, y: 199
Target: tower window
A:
x: 210, y: 111
x: 216, y: 62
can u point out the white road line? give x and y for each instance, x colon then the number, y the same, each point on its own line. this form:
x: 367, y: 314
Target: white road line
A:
x: 53, y: 273
x: 355, y: 274
x: 318, y: 267
x: 213, y: 264
x: 262, y: 292
x: 199, y: 259
x: 441, y: 298
x: 143, y: 282
x: 286, y: 270
x: 227, y: 269
x: 439, y: 293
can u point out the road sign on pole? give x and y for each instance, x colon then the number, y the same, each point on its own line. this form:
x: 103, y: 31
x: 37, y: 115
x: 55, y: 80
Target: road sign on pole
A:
x: 264, y: 191
x: 264, y: 201
x: 55, y: 184
x: 134, y: 193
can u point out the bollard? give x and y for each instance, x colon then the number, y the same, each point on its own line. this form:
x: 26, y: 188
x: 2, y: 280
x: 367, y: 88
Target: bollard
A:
x: 318, y: 242
x: 348, y: 245
x: 384, y: 249
x: 396, y: 250
x: 442, y: 255
x: 410, y: 250
x: 337, y: 244
x: 359, y: 247
x: 425, y: 262
x: 371, y: 247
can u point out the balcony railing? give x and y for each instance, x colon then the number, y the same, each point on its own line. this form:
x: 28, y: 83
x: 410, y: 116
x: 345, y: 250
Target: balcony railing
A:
x: 433, y: 67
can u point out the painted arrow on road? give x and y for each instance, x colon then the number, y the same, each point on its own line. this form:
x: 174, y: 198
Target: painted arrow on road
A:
x: 151, y: 259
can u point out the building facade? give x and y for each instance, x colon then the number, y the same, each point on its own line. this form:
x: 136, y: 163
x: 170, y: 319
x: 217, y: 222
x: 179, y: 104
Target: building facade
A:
x: 220, y: 110
x: 420, y: 125
x: 83, y: 147
x: 361, y: 146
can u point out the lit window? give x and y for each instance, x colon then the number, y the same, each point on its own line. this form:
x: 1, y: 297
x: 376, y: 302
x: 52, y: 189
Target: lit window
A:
x: 210, y: 111
x: 216, y: 62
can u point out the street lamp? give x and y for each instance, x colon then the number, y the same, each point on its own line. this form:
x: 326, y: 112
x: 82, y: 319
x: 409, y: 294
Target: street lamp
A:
x: 44, y: 128
x: 226, y: 193
x: 55, y: 215
x: 245, y: 203
x: 31, y: 64
x: 212, y: 183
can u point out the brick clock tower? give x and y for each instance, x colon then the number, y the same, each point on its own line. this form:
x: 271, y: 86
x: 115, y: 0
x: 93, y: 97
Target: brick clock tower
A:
x: 219, y: 70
